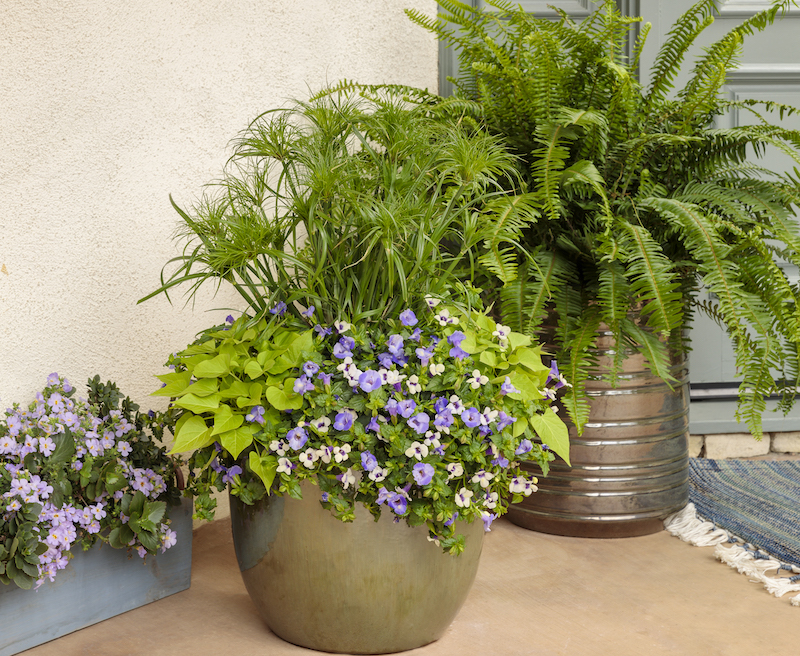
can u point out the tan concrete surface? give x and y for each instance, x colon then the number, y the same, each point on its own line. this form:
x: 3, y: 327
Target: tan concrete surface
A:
x: 535, y: 594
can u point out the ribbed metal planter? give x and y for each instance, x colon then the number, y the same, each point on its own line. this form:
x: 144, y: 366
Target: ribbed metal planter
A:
x: 363, y: 588
x: 629, y: 467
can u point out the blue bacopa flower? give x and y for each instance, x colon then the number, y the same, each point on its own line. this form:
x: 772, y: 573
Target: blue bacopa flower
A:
x: 383, y: 495
x: 524, y: 447
x: 325, y: 378
x: 303, y: 385
x: 297, y: 437
x: 229, y: 318
x: 443, y: 419
x: 398, y: 503
x: 385, y: 360
x: 370, y: 380
x: 279, y: 309
x: 322, y: 332
x: 471, y: 417
x: 395, y: 345
x: 368, y: 461
x: 458, y: 353
x: 423, y: 473
x: 408, y: 318
x: 406, y: 408
x: 507, y: 387
x: 234, y: 471
x: 256, y: 415
x: 348, y: 342
x: 339, y: 351
x: 440, y: 404
x: 425, y: 354
x: 310, y: 368
x: 456, y: 338
x: 487, y: 518
x: 420, y: 423
x: 309, y: 312
x: 343, y: 421
x: 392, y: 407
x: 374, y: 424
x: 503, y: 420
x: 415, y: 335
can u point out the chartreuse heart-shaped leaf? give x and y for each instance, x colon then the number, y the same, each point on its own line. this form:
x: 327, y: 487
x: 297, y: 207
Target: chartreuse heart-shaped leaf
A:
x: 225, y: 420
x: 176, y: 383
x: 198, y: 404
x: 553, y: 432
x: 212, y: 368
x: 236, y: 441
x: 285, y: 398
x: 234, y: 388
x: 517, y: 340
x: 191, y: 433
x: 203, y: 387
x: 265, y: 467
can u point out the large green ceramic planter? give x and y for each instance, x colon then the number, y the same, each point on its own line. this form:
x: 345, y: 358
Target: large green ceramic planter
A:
x: 364, y: 587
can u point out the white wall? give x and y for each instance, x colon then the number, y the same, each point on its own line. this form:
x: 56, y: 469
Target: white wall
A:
x: 107, y: 108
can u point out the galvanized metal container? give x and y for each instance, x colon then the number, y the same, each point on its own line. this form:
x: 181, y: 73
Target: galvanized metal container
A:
x: 364, y: 587
x: 629, y: 467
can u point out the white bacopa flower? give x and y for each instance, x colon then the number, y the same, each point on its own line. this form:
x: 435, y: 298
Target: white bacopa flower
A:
x: 483, y: 478
x: 309, y: 457
x: 463, y: 497
x: 321, y: 425
x: 341, y: 453
x: 455, y: 469
x: 477, y: 379
x: 378, y: 474
x: 455, y: 406
x: 436, y: 369
x: 520, y: 485
x: 348, y: 478
x: 491, y: 499
x: 393, y: 377
x: 413, y: 385
x: 417, y: 450
x: 488, y: 416
x: 325, y: 453
x: 431, y: 301
x: 502, y: 332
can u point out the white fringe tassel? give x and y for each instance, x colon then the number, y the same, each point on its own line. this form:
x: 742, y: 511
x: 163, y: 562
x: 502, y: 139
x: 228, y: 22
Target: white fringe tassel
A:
x: 686, y: 525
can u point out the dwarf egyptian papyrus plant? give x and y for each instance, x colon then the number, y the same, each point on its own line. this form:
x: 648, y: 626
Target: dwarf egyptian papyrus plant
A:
x: 642, y: 199
x: 355, y: 206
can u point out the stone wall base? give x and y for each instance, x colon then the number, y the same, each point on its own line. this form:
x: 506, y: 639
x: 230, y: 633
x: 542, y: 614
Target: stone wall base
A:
x: 743, y: 445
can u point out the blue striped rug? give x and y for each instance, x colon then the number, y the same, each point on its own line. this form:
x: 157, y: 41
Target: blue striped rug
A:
x: 755, y: 500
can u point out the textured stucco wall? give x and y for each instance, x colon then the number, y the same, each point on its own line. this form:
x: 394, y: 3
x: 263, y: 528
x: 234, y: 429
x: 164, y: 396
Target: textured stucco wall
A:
x: 108, y: 107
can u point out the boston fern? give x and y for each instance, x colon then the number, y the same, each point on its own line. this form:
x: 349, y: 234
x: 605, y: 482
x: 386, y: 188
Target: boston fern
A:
x: 641, y: 200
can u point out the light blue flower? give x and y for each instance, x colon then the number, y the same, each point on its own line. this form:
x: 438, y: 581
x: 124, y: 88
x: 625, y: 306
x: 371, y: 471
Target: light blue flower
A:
x: 406, y: 408
x: 343, y: 421
x: 297, y: 437
x: 398, y: 503
x: 256, y: 415
x: 279, y: 309
x: 508, y: 388
x: 423, y: 473
x: 420, y: 423
x: 368, y: 461
x: 408, y: 318
x: 370, y: 380
x: 524, y: 447
x: 471, y: 417
x: 310, y: 368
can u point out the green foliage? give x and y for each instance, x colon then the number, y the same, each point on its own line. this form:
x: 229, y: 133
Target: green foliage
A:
x: 419, y: 415
x: 355, y: 203
x: 641, y: 200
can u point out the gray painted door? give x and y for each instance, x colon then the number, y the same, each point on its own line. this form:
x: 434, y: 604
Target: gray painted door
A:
x: 769, y: 70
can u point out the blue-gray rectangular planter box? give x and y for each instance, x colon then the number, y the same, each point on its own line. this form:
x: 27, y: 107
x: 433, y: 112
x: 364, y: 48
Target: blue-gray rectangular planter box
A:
x: 97, y: 584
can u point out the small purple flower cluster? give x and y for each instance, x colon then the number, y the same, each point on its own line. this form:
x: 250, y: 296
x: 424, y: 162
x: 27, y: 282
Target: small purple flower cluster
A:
x: 68, y: 441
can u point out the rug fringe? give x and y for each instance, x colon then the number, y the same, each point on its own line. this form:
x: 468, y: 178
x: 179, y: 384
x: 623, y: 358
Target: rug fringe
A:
x: 746, y: 559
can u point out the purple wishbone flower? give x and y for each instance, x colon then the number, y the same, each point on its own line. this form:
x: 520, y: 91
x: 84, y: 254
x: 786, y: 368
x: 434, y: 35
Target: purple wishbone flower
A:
x: 408, y: 318
x: 420, y: 423
x: 343, y: 421
x: 423, y: 473
x: 471, y: 417
x: 370, y: 380
x: 406, y: 407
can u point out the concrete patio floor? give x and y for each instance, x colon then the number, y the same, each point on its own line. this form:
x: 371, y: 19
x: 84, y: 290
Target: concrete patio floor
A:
x: 535, y: 594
